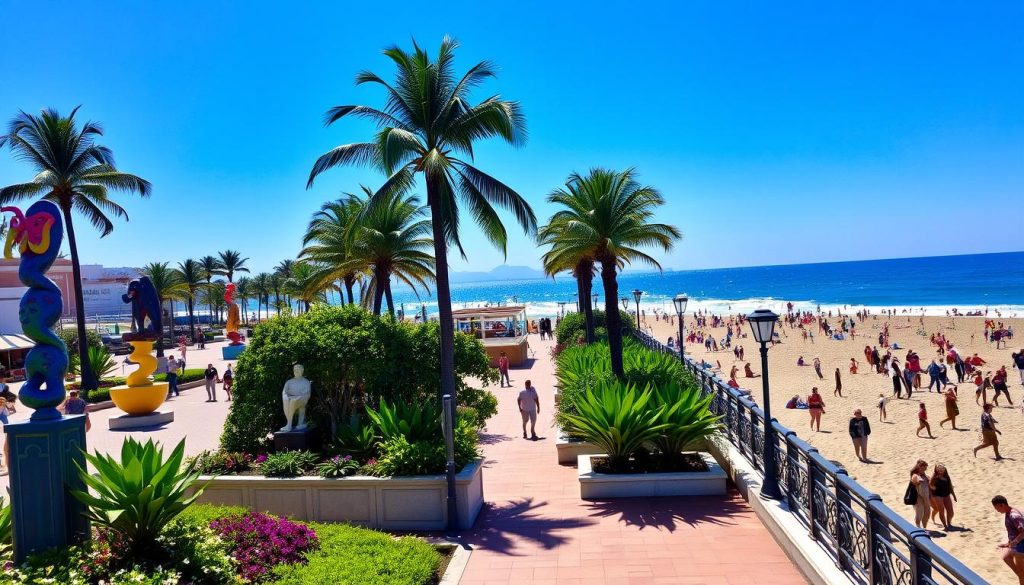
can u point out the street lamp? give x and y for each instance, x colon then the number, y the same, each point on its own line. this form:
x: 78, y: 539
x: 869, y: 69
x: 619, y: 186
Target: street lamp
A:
x: 595, y: 299
x: 625, y: 303
x: 577, y: 295
x: 680, y: 303
x: 561, y: 307
x: 762, y: 322
x: 637, y: 293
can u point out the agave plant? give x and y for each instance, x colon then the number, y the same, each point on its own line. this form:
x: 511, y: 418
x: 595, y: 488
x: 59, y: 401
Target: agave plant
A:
x: 415, y: 422
x: 617, y: 418
x: 6, y: 532
x: 582, y: 361
x: 101, y: 361
x: 136, y: 496
x: 687, y: 418
x: 644, y: 366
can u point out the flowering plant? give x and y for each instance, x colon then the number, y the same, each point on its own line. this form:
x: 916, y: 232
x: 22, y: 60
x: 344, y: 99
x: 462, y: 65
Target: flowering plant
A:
x: 338, y: 466
x: 259, y: 542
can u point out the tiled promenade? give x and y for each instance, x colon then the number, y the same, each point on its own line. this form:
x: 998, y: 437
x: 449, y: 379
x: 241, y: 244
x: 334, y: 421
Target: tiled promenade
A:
x: 536, y: 529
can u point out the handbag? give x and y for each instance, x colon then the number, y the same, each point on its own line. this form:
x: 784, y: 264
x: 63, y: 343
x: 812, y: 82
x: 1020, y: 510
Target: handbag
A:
x: 910, y: 496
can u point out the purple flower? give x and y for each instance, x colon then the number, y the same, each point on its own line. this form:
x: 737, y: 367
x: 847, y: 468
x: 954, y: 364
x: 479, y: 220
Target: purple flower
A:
x: 259, y: 542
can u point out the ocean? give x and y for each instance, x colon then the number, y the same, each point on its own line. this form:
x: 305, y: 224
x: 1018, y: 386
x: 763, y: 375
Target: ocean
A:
x: 932, y: 285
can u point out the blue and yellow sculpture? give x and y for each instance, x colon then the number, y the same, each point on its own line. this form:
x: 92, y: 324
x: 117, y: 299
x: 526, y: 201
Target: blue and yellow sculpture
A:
x: 141, y: 396
x: 46, y: 450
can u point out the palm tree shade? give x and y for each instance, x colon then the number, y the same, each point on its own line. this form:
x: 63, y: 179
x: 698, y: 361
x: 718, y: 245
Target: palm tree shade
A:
x: 231, y: 262
x: 77, y: 174
x: 192, y: 277
x: 606, y: 215
x: 428, y: 127
x: 169, y: 286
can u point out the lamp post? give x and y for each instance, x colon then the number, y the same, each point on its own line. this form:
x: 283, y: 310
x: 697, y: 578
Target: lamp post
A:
x: 625, y: 303
x: 637, y: 293
x: 680, y: 303
x: 762, y: 322
x: 578, y: 310
x: 561, y: 307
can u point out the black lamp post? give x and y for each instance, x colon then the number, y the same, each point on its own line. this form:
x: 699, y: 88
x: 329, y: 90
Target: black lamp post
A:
x: 762, y: 322
x: 637, y: 293
x: 578, y: 309
x: 625, y: 303
x: 680, y: 303
x: 561, y: 307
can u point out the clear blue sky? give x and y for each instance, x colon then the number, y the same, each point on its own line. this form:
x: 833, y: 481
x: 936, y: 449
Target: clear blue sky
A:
x: 778, y: 132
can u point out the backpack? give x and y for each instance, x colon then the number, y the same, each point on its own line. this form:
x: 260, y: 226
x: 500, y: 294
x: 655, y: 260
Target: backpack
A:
x: 910, y: 496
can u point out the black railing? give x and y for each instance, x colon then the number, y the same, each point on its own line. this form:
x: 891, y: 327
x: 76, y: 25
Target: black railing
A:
x: 869, y: 541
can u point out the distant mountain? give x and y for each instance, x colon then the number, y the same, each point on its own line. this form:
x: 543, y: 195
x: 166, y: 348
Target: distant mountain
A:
x: 503, y: 272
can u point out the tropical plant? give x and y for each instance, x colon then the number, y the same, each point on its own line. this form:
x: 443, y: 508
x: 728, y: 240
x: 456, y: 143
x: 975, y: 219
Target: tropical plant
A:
x: 261, y: 288
x: 6, y: 532
x: 190, y: 273
x: 220, y: 462
x: 429, y: 127
x: 617, y: 419
x: 210, y: 267
x: 571, y: 330
x: 101, y: 361
x: 338, y: 466
x: 231, y: 262
x: 687, y: 417
x: 607, y: 215
x: 306, y: 285
x: 243, y: 291
x: 136, y: 496
x: 287, y: 463
x: 169, y: 287
x: 581, y: 267
x: 328, y: 242
x: 359, y: 441
x: 75, y: 173
x: 249, y: 534
x: 70, y: 338
x: 415, y: 422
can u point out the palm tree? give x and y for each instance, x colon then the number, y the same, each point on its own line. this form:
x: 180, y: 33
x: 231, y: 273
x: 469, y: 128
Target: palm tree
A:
x: 213, y: 297
x: 307, y: 284
x: 580, y: 266
x: 169, y: 286
x: 276, y: 283
x: 328, y: 240
x: 244, y: 290
x: 284, y: 270
x: 231, y: 262
x: 428, y: 126
x: 75, y: 173
x: 261, y: 288
x: 191, y: 275
x: 607, y: 216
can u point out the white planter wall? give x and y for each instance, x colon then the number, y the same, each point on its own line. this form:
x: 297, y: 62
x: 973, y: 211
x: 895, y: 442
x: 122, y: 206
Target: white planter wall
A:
x: 595, y: 485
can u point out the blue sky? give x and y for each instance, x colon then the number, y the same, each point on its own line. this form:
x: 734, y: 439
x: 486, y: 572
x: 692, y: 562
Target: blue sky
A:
x: 778, y: 132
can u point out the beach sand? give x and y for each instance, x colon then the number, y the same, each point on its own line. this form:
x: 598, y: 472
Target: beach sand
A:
x: 893, y: 445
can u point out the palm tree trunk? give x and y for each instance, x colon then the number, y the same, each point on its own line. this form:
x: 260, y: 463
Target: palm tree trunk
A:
x: 160, y: 340
x: 378, y: 293
x: 444, y: 299
x: 587, y: 284
x: 613, y: 320
x: 89, y: 382
x: 349, y: 281
x: 191, y: 319
x: 387, y: 295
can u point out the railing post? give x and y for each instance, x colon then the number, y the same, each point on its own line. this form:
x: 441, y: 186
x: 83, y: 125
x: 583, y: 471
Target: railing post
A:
x: 814, y: 475
x: 878, y: 533
x: 844, y: 529
x: 920, y: 561
x: 753, y: 443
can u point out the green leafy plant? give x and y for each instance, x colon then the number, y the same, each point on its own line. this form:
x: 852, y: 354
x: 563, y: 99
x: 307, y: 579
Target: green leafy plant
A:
x: 618, y: 419
x: 359, y: 441
x: 220, y: 462
x: 338, y: 466
x: 414, y: 422
x: 686, y: 416
x: 137, y: 495
x: 6, y: 532
x: 287, y: 463
x: 101, y: 360
x: 426, y: 457
x: 571, y: 330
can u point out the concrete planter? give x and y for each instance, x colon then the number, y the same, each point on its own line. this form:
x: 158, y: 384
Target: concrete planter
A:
x: 386, y: 503
x: 569, y: 451
x: 595, y: 485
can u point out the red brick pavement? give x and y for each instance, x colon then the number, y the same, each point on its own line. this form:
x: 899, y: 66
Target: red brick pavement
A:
x: 536, y: 529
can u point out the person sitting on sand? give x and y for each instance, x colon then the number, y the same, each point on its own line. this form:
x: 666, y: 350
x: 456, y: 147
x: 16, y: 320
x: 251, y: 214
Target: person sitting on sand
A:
x: 748, y: 372
x: 922, y: 422
x: 800, y: 361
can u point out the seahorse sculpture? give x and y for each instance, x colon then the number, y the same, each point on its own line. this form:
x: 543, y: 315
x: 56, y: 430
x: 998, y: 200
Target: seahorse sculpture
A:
x: 38, y: 234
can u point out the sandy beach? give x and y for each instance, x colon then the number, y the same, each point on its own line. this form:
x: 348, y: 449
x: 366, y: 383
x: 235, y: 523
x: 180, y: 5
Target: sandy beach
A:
x: 893, y: 446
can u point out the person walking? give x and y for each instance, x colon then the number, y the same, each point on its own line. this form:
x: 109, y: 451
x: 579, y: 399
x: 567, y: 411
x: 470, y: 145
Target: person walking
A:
x: 933, y: 377
x: 908, y: 379
x: 923, y: 506
x: 897, y: 380
x: 503, y: 370
x: 860, y: 428
x: 922, y: 422
x: 200, y: 339
x: 172, y: 377
x: 943, y: 496
x: 952, y: 409
x: 882, y: 400
x: 183, y: 347
x: 75, y: 405
x: 816, y: 407
x: 999, y: 386
x: 1013, y: 548
x: 817, y: 368
x: 211, y: 382
x: 529, y: 408
x: 229, y: 381
x: 839, y: 385
x: 989, y: 432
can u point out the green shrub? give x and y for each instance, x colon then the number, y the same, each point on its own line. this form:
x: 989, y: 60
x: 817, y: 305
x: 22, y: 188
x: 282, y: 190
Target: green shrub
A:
x: 483, y: 402
x: 220, y: 462
x: 69, y: 335
x: 572, y: 329
x: 338, y: 466
x: 399, y: 456
x: 197, y: 553
x: 189, y: 375
x: 288, y: 463
x: 136, y: 496
x: 359, y: 441
x: 351, y: 358
x: 101, y: 361
x: 468, y: 413
x: 414, y: 422
x: 349, y: 555
x: 6, y: 532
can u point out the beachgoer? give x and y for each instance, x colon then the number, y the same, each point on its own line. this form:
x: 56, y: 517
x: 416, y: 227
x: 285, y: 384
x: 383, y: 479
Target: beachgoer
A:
x: 1018, y: 362
x: 999, y: 385
x: 749, y: 372
x: 1013, y: 548
x: 229, y: 381
x: 897, y: 381
x: 75, y: 405
x: 923, y: 506
x: 882, y: 400
x: 817, y: 368
x: 172, y: 376
x: 839, y: 385
x: 211, y: 382
x: 943, y: 495
x: 816, y: 407
x: 853, y: 365
x: 989, y: 432
x: 503, y: 370
x: 860, y: 428
x: 908, y: 380
x: 952, y: 410
x: 922, y: 422
x: 800, y: 361
x: 183, y: 346
x: 933, y: 377
x: 529, y: 408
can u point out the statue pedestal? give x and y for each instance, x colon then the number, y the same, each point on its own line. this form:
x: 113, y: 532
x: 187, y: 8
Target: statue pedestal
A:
x: 231, y: 352
x: 134, y: 421
x: 43, y: 456
x: 303, y: 440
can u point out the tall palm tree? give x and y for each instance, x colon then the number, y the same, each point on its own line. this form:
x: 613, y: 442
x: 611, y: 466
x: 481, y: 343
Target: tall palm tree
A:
x: 244, y: 290
x: 428, y: 126
x: 192, y: 277
x: 169, y: 286
x: 581, y: 267
x: 261, y: 288
x: 213, y: 296
x: 607, y: 215
x: 211, y: 267
x: 276, y: 283
x: 77, y: 174
x: 307, y: 284
x: 230, y: 263
x: 328, y: 240
x: 284, y: 270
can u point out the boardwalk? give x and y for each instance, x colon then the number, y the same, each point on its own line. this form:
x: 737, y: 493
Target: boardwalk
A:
x: 536, y: 529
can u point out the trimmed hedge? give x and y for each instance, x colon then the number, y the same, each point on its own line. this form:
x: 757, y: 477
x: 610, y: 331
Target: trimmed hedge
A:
x: 572, y: 329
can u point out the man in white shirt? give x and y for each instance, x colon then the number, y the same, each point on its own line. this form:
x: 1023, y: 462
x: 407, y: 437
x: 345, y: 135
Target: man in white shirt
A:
x: 529, y: 408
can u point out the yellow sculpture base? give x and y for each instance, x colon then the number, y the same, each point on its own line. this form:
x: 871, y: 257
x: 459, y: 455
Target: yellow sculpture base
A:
x: 138, y: 400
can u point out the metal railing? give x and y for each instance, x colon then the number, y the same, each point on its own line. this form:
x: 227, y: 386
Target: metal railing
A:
x: 867, y: 539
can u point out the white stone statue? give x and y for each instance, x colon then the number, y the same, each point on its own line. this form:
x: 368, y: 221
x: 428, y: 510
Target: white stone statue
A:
x: 295, y: 396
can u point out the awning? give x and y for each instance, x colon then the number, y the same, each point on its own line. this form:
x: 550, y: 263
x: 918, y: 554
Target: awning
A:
x: 11, y: 342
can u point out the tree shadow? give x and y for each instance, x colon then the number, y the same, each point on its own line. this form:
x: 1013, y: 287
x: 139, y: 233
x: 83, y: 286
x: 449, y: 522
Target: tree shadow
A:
x: 667, y: 513
x: 493, y: 438
x: 499, y: 528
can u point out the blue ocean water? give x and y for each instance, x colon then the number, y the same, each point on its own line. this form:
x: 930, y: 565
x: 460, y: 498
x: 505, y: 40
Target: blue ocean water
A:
x: 936, y: 284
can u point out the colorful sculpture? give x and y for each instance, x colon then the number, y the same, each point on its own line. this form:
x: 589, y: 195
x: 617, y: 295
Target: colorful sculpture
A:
x: 38, y: 235
x: 140, y: 396
x: 233, y: 316
x: 146, y: 315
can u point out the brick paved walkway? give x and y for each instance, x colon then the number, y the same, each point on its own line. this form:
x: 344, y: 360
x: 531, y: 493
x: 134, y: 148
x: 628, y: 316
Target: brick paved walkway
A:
x: 536, y: 529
